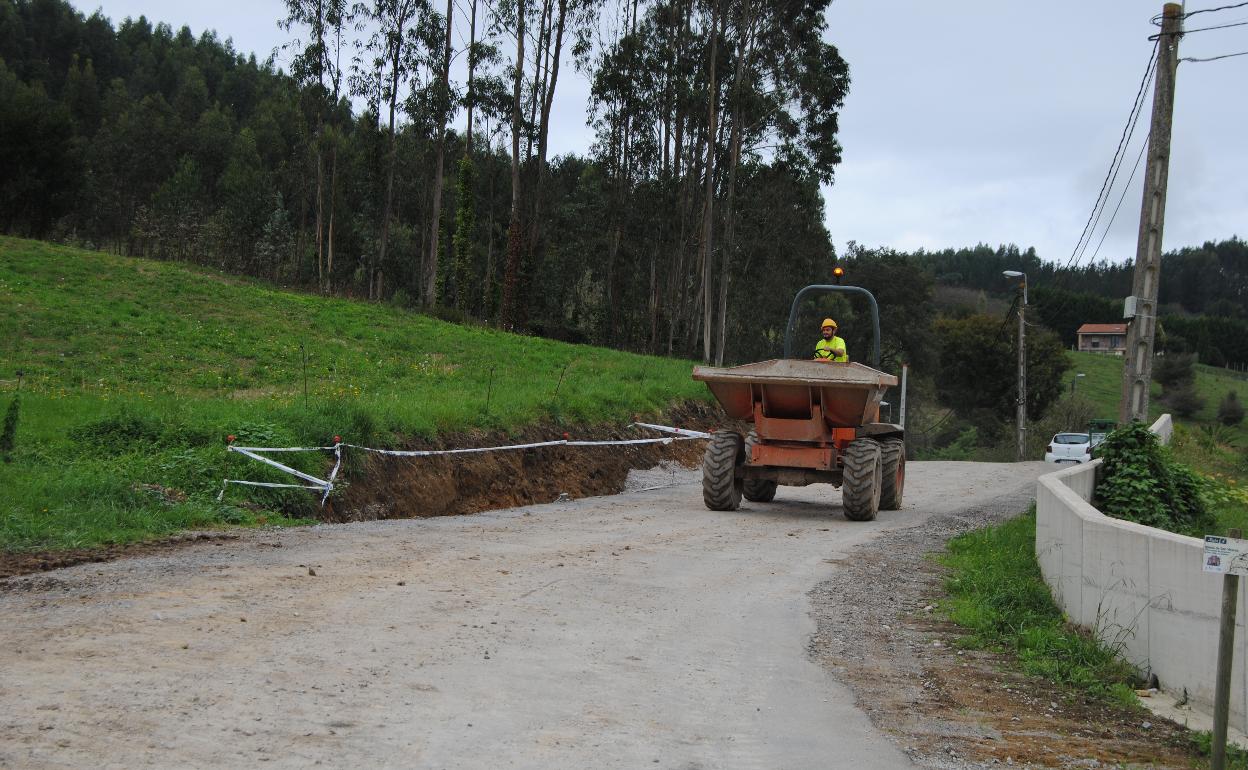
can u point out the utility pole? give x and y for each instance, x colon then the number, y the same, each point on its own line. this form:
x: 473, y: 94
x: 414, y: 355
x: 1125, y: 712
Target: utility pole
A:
x: 1022, y: 366
x: 1022, y: 377
x: 1137, y: 370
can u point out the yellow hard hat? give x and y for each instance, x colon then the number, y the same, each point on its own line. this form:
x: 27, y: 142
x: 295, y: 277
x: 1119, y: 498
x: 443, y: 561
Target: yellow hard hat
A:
x: 826, y: 323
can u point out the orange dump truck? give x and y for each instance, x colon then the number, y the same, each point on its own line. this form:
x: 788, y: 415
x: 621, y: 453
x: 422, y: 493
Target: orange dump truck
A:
x: 815, y: 422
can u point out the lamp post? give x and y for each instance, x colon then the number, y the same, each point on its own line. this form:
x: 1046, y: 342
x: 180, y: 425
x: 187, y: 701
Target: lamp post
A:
x: 1022, y: 365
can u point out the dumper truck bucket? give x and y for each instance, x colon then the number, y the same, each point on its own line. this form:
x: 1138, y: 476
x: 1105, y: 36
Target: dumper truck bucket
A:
x: 845, y: 394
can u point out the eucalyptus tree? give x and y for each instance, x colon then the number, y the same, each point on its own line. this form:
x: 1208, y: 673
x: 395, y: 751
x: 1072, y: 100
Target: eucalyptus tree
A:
x: 317, y: 60
x: 384, y: 67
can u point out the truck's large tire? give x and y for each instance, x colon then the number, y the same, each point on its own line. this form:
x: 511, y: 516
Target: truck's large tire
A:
x: 861, y: 487
x: 893, y: 471
x: 757, y: 490
x: 721, y: 489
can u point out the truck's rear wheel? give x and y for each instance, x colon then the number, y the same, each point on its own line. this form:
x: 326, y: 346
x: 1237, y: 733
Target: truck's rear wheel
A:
x: 860, y: 490
x: 721, y: 489
x: 757, y: 490
x: 893, y: 470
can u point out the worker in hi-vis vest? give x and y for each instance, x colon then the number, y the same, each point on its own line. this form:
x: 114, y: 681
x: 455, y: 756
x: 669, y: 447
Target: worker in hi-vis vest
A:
x: 831, y: 347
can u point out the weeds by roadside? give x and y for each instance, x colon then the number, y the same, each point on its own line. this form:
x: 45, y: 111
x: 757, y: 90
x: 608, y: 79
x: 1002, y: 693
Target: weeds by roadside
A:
x: 1236, y: 758
x: 997, y: 593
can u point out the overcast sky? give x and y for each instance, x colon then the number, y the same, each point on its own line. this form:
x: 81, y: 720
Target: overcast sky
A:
x: 982, y: 121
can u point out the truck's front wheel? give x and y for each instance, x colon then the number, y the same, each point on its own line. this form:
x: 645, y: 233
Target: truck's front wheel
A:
x: 860, y: 490
x: 893, y: 452
x: 721, y: 489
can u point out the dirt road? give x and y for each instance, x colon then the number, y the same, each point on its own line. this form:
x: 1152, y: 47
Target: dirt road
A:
x: 639, y: 630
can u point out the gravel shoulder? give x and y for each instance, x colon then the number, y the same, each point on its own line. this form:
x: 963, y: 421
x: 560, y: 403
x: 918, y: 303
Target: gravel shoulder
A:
x: 626, y: 631
x: 880, y: 632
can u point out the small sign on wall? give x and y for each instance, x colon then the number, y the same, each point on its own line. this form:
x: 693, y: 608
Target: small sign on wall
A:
x: 1226, y: 555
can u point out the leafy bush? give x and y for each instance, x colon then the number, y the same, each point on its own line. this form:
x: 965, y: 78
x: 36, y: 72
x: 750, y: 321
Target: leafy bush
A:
x: 1174, y: 370
x: 962, y: 448
x: 1184, y: 401
x: 114, y: 433
x: 1230, y: 411
x: 1141, y: 483
x: 8, y: 436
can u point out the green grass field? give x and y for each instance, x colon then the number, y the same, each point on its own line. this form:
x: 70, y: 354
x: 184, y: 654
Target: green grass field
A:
x: 134, y: 372
x: 1219, y: 453
x: 1102, y: 384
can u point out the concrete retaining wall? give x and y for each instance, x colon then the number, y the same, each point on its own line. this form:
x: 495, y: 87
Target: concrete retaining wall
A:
x: 1140, y: 589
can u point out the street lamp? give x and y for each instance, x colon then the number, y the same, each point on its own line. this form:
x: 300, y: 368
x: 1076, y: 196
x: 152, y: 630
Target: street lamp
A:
x: 1022, y: 365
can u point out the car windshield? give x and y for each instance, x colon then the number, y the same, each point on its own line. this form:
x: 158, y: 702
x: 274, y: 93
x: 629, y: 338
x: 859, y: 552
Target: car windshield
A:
x: 1070, y: 438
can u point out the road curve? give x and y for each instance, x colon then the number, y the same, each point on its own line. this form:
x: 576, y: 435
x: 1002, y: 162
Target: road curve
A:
x: 639, y: 630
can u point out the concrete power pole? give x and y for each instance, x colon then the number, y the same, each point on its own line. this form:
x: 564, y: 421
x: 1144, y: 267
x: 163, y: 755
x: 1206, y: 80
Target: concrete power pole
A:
x: 1022, y: 376
x: 1137, y: 370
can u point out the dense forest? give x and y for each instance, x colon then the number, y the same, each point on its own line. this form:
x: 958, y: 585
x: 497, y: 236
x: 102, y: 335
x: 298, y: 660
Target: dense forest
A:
x: 685, y: 230
x: 716, y: 123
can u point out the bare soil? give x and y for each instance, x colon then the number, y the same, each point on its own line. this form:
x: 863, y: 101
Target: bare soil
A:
x: 419, y: 487
x: 880, y: 632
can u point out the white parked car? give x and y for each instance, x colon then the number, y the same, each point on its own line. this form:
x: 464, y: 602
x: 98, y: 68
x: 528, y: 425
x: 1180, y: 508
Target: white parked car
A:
x: 1069, y: 448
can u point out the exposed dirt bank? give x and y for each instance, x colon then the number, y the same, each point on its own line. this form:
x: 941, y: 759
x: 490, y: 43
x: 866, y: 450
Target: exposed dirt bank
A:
x: 416, y: 487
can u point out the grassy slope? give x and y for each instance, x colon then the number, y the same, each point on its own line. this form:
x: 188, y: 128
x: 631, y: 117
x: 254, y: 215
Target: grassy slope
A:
x: 135, y: 371
x: 1223, y: 457
x: 1103, y: 385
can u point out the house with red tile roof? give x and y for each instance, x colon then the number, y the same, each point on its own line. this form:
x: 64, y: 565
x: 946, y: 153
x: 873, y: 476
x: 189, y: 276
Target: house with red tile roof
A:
x: 1103, y: 338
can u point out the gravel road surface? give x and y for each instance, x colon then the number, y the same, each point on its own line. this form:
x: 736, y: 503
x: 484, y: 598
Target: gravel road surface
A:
x: 639, y: 630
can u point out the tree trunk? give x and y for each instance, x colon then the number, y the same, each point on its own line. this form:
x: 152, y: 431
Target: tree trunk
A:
x: 472, y: 65
x: 510, y: 312
x: 431, y: 273
x: 708, y: 211
x: 539, y: 73
x: 543, y: 136
x: 744, y: 47
x: 390, y: 163
x: 320, y: 211
x: 333, y: 190
x: 487, y: 288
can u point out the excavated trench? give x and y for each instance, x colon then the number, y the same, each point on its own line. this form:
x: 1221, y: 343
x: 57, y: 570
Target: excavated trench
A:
x: 414, y: 487
x: 381, y: 487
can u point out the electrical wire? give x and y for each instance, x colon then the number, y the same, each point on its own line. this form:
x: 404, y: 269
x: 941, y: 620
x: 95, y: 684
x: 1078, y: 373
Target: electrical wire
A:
x: 1199, y: 29
x: 1157, y: 20
x: 1111, y: 177
x: 1122, y: 197
x: 1215, y: 58
x: 1116, y: 162
x: 1211, y: 10
x: 1114, y: 179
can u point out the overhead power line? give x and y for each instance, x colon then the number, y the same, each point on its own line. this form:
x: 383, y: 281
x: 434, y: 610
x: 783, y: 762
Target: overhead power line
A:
x: 1121, y: 198
x: 1212, y: 10
x: 1200, y: 29
x: 1111, y: 178
x: 1215, y: 58
x: 1116, y: 162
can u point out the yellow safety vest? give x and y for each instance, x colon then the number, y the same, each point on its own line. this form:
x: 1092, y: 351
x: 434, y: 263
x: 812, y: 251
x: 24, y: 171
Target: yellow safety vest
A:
x: 831, y: 350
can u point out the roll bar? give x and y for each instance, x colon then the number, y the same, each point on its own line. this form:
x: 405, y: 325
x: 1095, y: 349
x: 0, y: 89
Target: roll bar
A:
x: 828, y: 289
